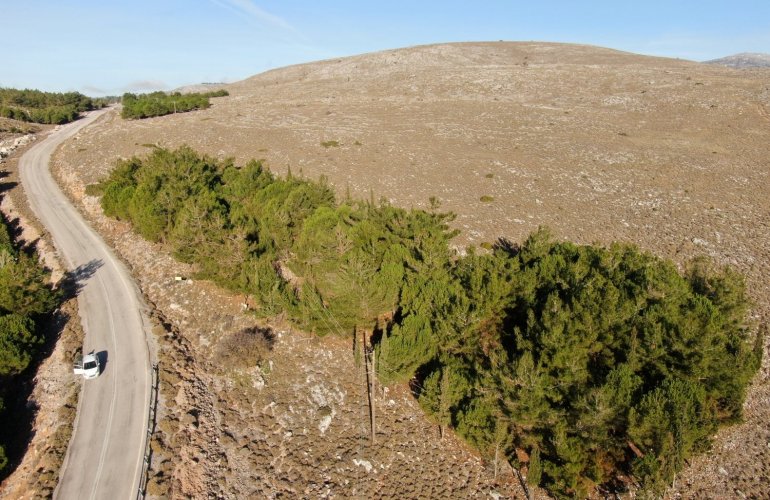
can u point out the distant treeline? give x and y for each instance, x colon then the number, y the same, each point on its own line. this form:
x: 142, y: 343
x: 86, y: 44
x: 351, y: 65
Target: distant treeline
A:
x: 584, y: 364
x: 160, y: 103
x: 26, y: 298
x: 45, y: 107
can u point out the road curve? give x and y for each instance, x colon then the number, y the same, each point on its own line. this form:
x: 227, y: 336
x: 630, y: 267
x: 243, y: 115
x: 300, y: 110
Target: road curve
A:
x: 106, y: 452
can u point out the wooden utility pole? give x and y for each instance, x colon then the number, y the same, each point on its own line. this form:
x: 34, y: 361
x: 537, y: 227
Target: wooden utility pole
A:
x: 369, y: 359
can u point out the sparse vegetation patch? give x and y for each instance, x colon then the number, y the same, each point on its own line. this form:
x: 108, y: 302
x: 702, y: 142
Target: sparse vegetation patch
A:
x: 14, y: 127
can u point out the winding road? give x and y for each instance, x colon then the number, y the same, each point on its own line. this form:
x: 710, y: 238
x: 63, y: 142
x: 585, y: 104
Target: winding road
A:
x: 106, y: 453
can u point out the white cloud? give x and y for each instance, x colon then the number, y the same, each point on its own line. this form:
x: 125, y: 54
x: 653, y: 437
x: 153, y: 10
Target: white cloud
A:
x: 92, y: 90
x: 250, y: 10
x: 146, y: 85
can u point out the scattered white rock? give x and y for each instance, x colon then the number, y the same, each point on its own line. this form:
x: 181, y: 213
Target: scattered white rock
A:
x: 363, y: 463
x: 9, y: 146
x: 700, y: 242
x: 324, y: 424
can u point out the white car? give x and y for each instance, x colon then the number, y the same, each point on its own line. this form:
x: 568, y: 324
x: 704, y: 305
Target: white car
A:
x: 88, y: 366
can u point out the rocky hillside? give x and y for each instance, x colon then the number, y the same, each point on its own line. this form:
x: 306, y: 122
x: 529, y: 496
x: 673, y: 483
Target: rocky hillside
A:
x: 743, y: 60
x: 598, y: 144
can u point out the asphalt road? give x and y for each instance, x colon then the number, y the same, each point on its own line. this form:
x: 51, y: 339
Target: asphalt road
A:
x: 106, y: 452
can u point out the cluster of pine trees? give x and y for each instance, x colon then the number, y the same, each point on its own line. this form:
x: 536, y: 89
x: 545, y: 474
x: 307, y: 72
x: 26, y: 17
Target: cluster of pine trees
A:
x: 26, y: 298
x: 161, y: 103
x: 44, y: 107
x: 591, y: 362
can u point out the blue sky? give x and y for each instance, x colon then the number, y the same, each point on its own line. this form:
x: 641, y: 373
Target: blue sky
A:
x: 103, y: 47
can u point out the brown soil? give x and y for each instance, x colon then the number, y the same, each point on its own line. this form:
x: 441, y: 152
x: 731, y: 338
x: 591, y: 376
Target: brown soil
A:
x: 598, y: 145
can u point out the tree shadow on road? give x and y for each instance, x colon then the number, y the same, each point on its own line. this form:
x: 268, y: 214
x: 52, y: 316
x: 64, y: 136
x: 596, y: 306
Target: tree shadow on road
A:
x: 20, y: 431
x: 17, y: 433
x: 73, y: 281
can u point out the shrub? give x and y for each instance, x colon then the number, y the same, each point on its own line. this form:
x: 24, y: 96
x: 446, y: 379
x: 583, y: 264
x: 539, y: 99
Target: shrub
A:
x: 244, y: 348
x: 162, y: 103
x: 44, y: 107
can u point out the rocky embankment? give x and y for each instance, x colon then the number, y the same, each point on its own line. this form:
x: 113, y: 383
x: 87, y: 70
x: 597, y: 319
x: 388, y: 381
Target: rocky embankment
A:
x: 8, y: 146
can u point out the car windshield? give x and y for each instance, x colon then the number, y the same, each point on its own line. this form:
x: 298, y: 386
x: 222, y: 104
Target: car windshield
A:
x: 89, y: 365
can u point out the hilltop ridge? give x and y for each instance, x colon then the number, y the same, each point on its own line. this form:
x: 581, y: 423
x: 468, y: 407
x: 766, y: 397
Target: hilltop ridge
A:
x: 743, y: 60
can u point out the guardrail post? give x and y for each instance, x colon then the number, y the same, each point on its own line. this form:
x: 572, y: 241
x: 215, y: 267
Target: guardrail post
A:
x: 140, y: 494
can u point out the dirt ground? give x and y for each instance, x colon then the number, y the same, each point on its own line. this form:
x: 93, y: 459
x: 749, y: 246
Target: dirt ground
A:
x: 597, y: 144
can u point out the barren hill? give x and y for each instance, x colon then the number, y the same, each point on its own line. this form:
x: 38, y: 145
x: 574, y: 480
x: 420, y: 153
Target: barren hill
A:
x: 598, y: 144
x: 743, y: 60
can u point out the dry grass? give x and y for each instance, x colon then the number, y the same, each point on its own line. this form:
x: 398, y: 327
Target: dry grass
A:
x: 245, y: 348
x: 12, y: 128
